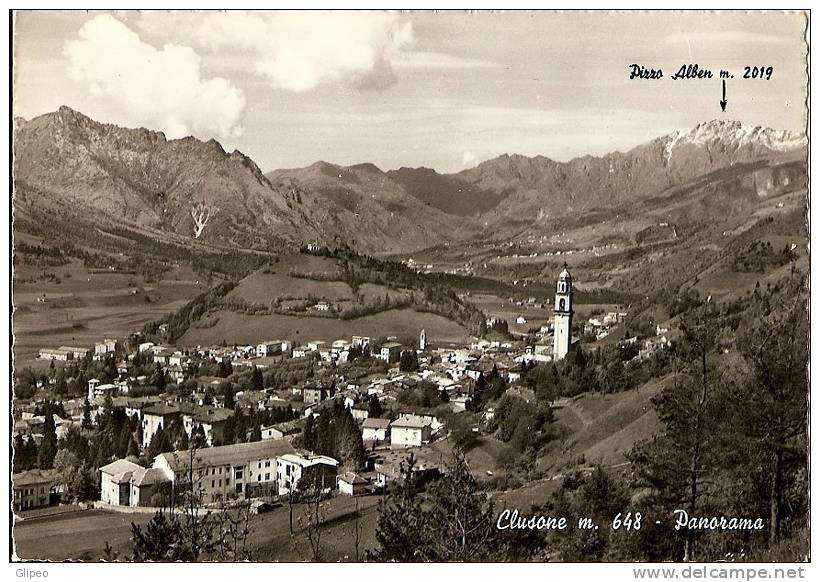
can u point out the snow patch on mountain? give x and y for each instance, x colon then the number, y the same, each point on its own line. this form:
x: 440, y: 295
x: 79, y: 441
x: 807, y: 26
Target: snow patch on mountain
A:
x: 733, y: 135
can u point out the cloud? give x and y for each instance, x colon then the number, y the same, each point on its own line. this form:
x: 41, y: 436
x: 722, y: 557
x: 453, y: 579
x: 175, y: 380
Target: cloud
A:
x: 298, y: 50
x: 468, y: 159
x: 162, y: 88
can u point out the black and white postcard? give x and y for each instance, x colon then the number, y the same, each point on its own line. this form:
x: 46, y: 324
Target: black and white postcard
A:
x: 410, y: 286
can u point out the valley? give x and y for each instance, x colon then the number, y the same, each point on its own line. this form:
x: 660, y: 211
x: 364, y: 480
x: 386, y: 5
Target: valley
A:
x: 188, y: 282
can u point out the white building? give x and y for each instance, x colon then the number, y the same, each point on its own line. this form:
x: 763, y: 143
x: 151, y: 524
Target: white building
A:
x: 409, y: 431
x: 291, y: 468
x: 376, y: 429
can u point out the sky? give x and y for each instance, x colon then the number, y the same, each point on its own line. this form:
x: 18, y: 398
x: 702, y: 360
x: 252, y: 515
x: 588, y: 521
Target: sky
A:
x: 445, y: 90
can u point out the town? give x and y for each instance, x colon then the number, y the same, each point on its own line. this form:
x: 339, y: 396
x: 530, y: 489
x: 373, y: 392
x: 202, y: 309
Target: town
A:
x: 172, y: 401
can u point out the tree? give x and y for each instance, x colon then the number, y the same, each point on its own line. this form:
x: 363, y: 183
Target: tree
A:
x: 160, y: 443
x: 597, y: 496
x: 681, y: 463
x: 48, y: 446
x: 158, y: 378
x: 409, y: 361
x: 25, y: 453
x: 768, y: 408
x: 87, y: 424
x: 228, y: 393
x: 257, y: 381
x: 162, y: 540
x: 198, y: 438
x: 454, y: 521
x: 400, y: 517
x: 374, y: 407
x: 133, y: 448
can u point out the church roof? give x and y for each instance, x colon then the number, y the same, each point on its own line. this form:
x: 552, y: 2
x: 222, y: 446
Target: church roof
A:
x: 564, y: 274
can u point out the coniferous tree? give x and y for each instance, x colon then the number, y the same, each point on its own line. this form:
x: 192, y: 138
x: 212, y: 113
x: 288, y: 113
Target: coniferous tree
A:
x: 681, y: 463
x: 768, y: 408
x: 453, y: 521
x: 374, y: 407
x: 48, y: 446
x: 257, y: 381
x: 198, y: 439
x: 87, y: 424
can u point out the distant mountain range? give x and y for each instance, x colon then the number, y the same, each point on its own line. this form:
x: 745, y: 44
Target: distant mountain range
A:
x: 188, y: 187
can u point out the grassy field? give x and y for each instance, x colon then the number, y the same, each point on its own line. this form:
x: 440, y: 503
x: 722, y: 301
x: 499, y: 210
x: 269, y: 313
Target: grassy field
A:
x: 238, y: 328
x: 74, y: 536
x: 82, y: 535
x: 603, y: 427
x: 85, y: 307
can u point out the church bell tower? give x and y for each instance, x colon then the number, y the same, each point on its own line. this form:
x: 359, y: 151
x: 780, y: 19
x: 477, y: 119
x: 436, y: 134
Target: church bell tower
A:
x: 563, y: 315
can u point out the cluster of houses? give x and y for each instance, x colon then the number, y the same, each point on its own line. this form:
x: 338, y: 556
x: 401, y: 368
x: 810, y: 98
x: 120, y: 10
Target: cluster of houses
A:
x: 269, y: 467
x: 272, y: 466
x: 601, y: 326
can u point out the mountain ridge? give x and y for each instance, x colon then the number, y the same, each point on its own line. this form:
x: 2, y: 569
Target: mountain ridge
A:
x: 195, y: 188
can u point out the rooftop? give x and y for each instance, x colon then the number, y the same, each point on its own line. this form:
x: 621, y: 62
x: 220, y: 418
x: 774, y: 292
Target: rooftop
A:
x: 228, y: 454
x: 119, y: 466
x: 308, y: 460
x: 376, y: 423
x: 410, y: 422
x: 34, y: 477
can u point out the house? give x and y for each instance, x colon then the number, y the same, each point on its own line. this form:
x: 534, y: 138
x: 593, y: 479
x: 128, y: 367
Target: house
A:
x: 322, y: 306
x: 178, y: 359
x: 267, y: 349
x: 521, y: 320
x: 390, y: 352
x: 97, y: 390
x: 317, y: 470
x: 314, y: 395
x: 244, y: 469
x: 359, y: 412
x: 32, y: 489
x: 350, y: 483
x: 107, y: 346
x: 409, y: 431
x: 376, y: 429
x: 136, y: 405
x: 176, y: 373
x: 280, y: 431
x: 360, y: 341
x: 115, y: 482
x: 459, y: 403
x: 145, y: 346
x: 316, y: 345
x: 300, y: 351
x: 339, y: 346
x: 156, y: 416
x: 63, y: 353
x: 58, y: 354
x: 212, y: 420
